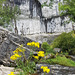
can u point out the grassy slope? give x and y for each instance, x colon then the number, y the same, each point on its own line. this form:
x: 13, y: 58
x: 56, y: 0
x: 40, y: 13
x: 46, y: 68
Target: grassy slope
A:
x: 61, y: 61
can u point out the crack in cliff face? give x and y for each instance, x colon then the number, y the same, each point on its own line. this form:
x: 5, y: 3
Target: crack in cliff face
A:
x: 35, y: 4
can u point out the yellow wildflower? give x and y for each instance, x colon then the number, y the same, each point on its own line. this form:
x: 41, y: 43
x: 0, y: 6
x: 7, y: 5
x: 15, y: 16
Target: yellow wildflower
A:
x: 36, y: 57
x: 45, y: 69
x: 41, y: 55
x: 29, y: 44
x: 40, y: 52
x: 16, y: 51
x: 42, y: 67
x: 20, y: 50
x: 12, y: 73
x: 13, y: 57
x: 32, y: 43
x: 16, y: 55
x: 48, y: 70
x: 36, y: 44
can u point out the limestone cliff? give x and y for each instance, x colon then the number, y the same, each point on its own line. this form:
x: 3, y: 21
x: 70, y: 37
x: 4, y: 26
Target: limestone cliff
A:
x: 35, y: 19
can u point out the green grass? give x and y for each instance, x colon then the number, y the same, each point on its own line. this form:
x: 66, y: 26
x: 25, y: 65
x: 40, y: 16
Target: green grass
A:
x: 61, y: 61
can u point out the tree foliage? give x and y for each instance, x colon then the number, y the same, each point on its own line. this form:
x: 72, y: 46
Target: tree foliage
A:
x: 7, y: 12
x: 68, y: 8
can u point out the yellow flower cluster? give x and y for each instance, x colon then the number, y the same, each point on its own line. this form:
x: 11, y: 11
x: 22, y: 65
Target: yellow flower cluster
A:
x: 15, y: 56
x: 17, y: 50
x: 36, y: 57
x: 36, y: 44
x: 45, y: 69
x: 40, y: 54
x: 12, y: 73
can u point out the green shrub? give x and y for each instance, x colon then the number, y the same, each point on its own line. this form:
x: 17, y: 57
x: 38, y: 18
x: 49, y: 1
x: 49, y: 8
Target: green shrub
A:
x: 65, y: 41
x: 47, y: 47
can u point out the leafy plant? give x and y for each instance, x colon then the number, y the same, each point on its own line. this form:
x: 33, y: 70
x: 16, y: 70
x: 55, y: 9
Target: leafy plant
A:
x: 67, y: 8
x: 8, y: 13
x: 65, y: 41
x: 48, y: 48
x: 45, y: 45
x: 27, y: 66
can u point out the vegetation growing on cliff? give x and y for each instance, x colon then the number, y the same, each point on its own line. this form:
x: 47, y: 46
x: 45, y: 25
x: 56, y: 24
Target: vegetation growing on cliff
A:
x: 67, y: 8
x: 65, y: 41
x: 8, y: 12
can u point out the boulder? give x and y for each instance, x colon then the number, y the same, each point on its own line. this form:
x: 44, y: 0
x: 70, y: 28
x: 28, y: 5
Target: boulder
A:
x: 56, y: 69
x: 8, y: 43
x: 7, y: 70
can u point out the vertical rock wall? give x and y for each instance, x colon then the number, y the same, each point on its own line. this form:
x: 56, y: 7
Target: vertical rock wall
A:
x: 29, y: 20
x: 35, y: 19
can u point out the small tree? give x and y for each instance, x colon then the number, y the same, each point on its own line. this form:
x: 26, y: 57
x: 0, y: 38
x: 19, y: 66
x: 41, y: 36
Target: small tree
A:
x: 68, y: 8
x: 8, y: 13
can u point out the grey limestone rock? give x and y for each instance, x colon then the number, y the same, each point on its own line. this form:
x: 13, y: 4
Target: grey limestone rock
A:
x: 57, y: 69
x: 8, y: 43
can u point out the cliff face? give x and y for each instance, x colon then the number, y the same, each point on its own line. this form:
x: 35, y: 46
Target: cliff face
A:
x: 35, y: 19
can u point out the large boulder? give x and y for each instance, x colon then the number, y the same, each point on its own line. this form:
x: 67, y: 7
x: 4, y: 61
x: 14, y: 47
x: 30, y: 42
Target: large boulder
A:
x: 8, y: 43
